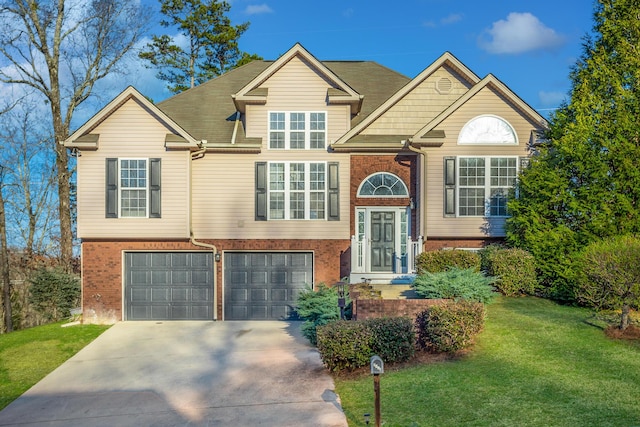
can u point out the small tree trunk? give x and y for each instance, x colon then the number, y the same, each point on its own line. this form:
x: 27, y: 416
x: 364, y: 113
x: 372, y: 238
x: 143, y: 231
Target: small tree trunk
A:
x: 624, y: 318
x: 4, y: 269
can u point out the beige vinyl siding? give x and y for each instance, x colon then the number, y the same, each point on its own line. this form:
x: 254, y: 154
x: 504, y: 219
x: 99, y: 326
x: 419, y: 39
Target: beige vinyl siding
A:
x: 223, y: 184
x: 296, y: 87
x: 224, y: 199
x: 486, y: 101
x: 131, y: 132
x: 420, y: 106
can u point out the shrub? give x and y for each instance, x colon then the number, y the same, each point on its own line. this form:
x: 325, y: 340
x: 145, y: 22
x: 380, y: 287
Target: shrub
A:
x: 514, y: 270
x: 317, y: 308
x: 54, y: 293
x: 350, y: 344
x: 608, y: 275
x: 436, y: 261
x: 455, y: 283
x: 449, y: 327
x: 345, y: 344
x: 393, y: 338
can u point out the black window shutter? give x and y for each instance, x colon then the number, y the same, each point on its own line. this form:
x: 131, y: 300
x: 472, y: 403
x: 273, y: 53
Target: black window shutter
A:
x: 154, y: 188
x: 334, y: 192
x: 449, y: 186
x: 111, y: 193
x: 261, y: 191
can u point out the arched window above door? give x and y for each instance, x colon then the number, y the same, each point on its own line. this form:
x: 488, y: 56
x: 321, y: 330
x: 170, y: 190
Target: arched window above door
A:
x: 383, y: 184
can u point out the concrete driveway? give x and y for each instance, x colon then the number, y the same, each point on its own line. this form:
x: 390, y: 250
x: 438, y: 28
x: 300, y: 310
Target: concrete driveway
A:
x: 186, y: 374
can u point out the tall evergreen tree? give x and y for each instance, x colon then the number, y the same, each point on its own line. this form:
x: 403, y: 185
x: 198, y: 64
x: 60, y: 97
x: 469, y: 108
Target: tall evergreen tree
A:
x: 210, y: 45
x: 584, y: 182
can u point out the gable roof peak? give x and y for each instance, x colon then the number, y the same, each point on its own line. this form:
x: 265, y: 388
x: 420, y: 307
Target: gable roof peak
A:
x: 247, y: 93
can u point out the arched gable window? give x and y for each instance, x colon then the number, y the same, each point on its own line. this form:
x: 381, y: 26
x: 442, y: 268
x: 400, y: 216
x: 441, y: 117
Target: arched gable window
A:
x: 383, y: 184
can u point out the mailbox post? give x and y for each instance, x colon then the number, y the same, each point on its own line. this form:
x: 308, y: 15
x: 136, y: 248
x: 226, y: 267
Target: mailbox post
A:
x: 377, y: 368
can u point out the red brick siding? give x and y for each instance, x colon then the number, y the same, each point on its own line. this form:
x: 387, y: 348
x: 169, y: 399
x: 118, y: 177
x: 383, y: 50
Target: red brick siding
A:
x: 376, y: 308
x: 102, y: 267
x: 405, y: 167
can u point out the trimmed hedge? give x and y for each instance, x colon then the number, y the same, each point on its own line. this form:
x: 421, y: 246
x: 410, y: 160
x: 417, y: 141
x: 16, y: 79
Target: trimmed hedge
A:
x: 514, y: 270
x: 455, y: 283
x: 442, y: 260
x: 449, y: 327
x: 350, y: 344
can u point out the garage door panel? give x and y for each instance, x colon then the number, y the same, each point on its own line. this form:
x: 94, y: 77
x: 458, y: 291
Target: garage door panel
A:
x: 169, y: 286
x: 237, y: 311
x: 258, y: 277
x: 258, y: 295
x: 278, y: 277
x: 275, y: 282
x: 258, y: 260
x: 200, y: 277
x: 301, y: 277
x: 281, y: 311
x: 200, y: 295
x: 160, y: 294
x: 239, y: 295
x: 259, y: 312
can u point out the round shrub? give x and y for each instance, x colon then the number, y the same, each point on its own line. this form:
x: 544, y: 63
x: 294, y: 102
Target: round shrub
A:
x: 393, y: 338
x: 514, y: 270
x: 455, y: 283
x: 436, y: 261
x: 450, y: 326
x: 345, y: 344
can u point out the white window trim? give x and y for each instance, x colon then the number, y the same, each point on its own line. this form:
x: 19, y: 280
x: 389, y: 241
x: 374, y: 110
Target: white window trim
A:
x: 487, y: 185
x: 513, y: 131
x: 307, y: 191
x: 121, y: 187
x: 393, y: 196
x: 287, y: 130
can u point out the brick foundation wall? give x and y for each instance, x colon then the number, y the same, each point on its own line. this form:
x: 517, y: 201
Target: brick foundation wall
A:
x: 432, y: 244
x: 376, y: 308
x: 102, y: 268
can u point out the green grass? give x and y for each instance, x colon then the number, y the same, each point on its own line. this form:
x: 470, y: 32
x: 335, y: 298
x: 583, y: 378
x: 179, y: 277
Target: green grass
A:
x: 535, y: 364
x: 28, y: 355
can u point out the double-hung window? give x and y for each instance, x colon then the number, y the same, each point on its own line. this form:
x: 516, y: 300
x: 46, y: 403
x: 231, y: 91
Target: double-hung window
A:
x: 297, y: 190
x: 297, y: 130
x: 479, y: 186
x: 132, y: 188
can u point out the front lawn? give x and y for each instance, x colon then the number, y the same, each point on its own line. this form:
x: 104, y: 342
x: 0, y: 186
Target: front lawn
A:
x: 536, y: 364
x: 28, y: 355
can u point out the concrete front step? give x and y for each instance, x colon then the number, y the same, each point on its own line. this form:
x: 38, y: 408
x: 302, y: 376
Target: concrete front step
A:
x: 389, y: 291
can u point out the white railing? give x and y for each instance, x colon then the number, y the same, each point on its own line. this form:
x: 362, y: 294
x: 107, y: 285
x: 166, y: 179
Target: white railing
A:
x: 360, y: 250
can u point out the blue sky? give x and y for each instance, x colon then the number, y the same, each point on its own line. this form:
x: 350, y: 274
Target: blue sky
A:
x: 529, y: 45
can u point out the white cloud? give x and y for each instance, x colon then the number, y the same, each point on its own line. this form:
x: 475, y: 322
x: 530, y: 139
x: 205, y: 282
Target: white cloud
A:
x: 520, y: 32
x: 348, y: 13
x: 551, y: 99
x: 447, y: 20
x: 257, y: 9
x: 451, y: 19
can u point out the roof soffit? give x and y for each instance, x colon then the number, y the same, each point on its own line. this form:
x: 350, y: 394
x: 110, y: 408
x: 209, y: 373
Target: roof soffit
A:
x: 342, y: 93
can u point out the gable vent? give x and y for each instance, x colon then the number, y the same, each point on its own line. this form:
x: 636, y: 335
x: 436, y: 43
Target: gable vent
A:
x: 444, y: 85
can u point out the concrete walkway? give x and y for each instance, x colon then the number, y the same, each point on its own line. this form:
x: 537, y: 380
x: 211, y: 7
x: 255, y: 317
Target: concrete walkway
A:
x: 186, y: 374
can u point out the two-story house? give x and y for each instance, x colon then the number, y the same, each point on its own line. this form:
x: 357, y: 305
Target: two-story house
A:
x: 226, y: 200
